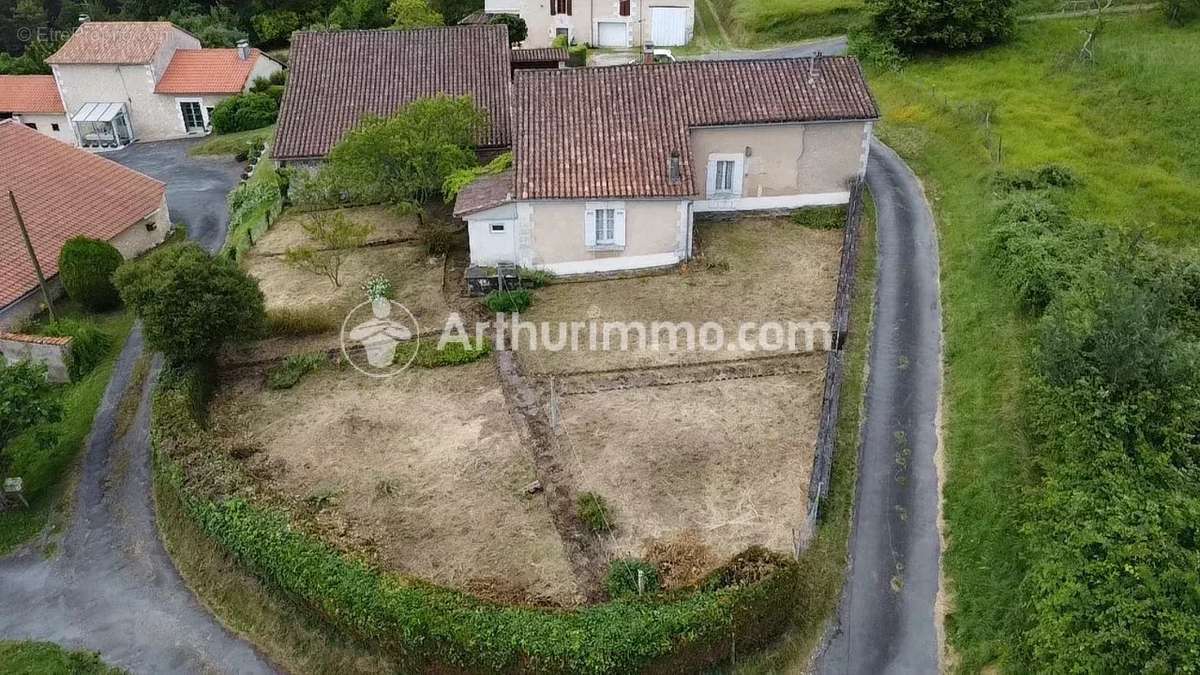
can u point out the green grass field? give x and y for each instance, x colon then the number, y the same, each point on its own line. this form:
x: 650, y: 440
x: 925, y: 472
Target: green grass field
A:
x: 1128, y: 127
x: 231, y: 144
x: 45, y: 471
x: 45, y: 658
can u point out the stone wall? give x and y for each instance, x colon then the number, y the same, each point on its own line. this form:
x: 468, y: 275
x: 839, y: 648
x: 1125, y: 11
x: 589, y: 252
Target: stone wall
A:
x: 53, y: 352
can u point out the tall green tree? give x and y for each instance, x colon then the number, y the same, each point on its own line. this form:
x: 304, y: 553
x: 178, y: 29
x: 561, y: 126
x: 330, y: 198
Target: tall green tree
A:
x: 407, y: 14
x: 406, y: 157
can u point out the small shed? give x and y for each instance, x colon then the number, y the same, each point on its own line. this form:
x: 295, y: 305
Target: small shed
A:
x: 546, y: 57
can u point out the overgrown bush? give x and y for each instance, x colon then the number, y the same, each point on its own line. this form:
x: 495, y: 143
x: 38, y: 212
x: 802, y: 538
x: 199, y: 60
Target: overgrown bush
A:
x: 517, y: 30
x: 89, y: 344
x: 244, y: 112
x: 1180, y: 12
x: 534, y: 278
x: 287, y: 374
x: 823, y: 218
x: 437, y: 238
x: 1042, y: 178
x: 506, y: 302
x: 876, y: 51
x: 28, y: 402
x: 461, y: 178
x: 253, y: 206
x: 189, y: 302
x: 621, y: 581
x: 593, y: 511
x: 429, y: 355
x: 299, y: 321
x: 941, y: 24
x: 86, y: 267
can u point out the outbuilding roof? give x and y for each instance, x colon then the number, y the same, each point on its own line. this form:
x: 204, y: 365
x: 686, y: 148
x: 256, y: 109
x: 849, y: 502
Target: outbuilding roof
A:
x: 63, y: 192
x: 116, y: 42
x: 207, y: 71
x: 484, y: 193
x: 29, y: 94
x: 612, y: 132
x: 540, y: 54
x: 338, y: 78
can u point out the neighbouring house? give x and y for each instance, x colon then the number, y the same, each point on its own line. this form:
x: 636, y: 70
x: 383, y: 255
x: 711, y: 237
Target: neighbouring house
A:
x: 612, y: 164
x: 64, y: 192
x: 125, y: 81
x: 610, y: 23
x: 33, y: 100
x: 338, y: 78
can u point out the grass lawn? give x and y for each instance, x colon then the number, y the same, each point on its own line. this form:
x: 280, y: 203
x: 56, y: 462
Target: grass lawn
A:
x: 759, y: 23
x: 230, y: 144
x: 1128, y: 128
x: 44, y: 471
x: 45, y: 658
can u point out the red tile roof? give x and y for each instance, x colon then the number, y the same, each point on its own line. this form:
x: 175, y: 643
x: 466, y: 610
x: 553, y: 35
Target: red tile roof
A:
x: 29, y: 94
x: 206, y: 71
x: 63, y: 192
x: 337, y: 78
x: 484, y: 193
x: 123, y: 42
x: 610, y: 132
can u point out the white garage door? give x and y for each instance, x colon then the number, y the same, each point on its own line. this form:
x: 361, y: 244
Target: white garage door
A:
x: 668, y: 26
x: 612, y: 34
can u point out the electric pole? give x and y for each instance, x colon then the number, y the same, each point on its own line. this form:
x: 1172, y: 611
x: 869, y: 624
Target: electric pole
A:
x: 32, y: 256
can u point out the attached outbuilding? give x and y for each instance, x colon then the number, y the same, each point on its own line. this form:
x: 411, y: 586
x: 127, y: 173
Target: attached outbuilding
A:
x: 612, y: 165
x: 33, y: 100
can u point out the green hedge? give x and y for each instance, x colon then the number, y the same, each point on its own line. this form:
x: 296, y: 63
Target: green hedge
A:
x: 428, y: 627
x: 253, y: 207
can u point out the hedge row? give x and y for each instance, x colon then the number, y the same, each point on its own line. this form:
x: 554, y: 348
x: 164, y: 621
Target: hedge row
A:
x: 426, y: 627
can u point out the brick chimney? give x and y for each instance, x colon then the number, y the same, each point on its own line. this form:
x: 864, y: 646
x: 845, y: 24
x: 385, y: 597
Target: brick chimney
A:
x: 648, y: 54
x: 243, y: 49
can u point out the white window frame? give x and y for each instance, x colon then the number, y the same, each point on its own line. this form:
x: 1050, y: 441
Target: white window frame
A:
x: 591, y: 231
x: 492, y: 225
x: 203, y: 112
x: 736, y: 178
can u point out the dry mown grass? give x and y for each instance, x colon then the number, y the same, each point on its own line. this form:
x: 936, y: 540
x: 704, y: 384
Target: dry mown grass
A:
x: 753, y: 269
x: 423, y: 472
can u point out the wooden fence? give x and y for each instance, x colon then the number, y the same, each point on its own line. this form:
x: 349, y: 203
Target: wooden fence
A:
x: 818, y: 486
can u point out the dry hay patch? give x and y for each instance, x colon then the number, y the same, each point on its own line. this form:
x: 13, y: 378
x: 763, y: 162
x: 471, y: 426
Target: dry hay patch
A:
x: 422, y: 472
x: 288, y: 231
x: 727, y: 462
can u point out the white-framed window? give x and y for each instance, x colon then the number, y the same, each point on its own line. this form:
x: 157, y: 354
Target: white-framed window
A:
x: 497, y: 228
x: 604, y: 225
x: 725, y: 175
x: 193, y: 114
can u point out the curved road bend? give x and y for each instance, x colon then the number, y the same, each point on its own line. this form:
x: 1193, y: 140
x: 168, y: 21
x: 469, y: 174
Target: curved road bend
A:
x: 886, y: 620
x: 110, y: 586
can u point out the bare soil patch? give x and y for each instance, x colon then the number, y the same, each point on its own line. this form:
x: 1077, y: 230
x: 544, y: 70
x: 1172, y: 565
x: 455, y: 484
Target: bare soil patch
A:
x: 723, y: 464
x: 752, y: 269
x: 421, y: 472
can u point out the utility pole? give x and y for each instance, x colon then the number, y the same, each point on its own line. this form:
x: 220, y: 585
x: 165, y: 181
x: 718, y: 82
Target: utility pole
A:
x: 32, y: 256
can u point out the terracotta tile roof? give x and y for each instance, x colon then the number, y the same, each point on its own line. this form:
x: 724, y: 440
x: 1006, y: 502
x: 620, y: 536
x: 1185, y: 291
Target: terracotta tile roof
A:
x: 63, y: 192
x: 126, y: 42
x: 206, y: 71
x: 35, y: 339
x: 485, y: 193
x: 29, y: 94
x: 540, y: 54
x: 338, y: 78
x: 610, y: 132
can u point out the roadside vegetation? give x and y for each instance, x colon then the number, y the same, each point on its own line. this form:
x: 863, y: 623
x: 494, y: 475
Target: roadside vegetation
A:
x: 45, y: 658
x: 1063, y: 188
x: 45, y: 425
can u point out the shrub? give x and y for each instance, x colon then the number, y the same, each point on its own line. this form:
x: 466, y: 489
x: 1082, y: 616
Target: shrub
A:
x: 429, y: 355
x: 190, y: 303
x: 89, y: 344
x: 1045, y: 177
x: 622, y: 578
x: 437, y: 238
x: 27, y: 402
x: 1180, y: 12
x: 533, y: 278
x: 876, y: 51
x: 577, y: 56
x: 407, y: 14
x: 335, y: 234
x: 461, y: 178
x: 517, y: 30
x: 287, y: 374
x: 86, y: 267
x: 592, y: 511
x: 244, y: 112
x: 299, y: 321
x: 948, y: 24
x: 506, y: 302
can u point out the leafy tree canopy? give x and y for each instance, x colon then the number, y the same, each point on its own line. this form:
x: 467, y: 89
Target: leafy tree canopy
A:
x: 408, y: 14
x: 942, y: 24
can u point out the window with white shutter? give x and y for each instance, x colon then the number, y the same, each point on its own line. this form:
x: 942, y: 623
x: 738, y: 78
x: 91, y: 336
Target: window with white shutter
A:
x: 604, y: 224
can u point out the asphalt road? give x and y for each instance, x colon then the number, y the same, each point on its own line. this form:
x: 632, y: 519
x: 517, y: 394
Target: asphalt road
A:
x: 830, y: 47
x: 886, y: 620
x: 109, y: 586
